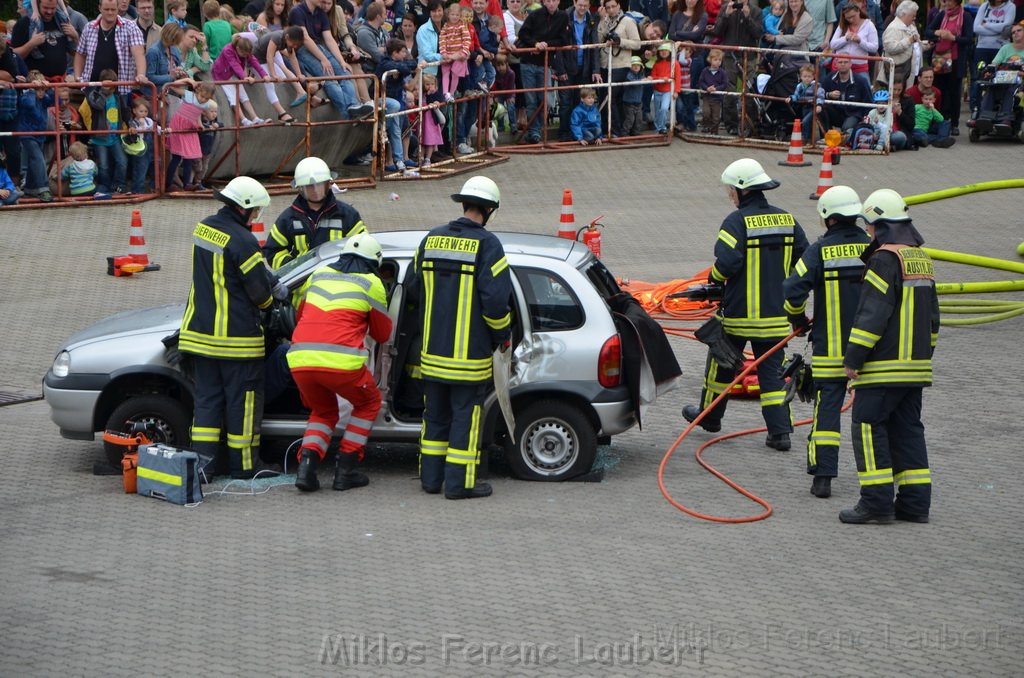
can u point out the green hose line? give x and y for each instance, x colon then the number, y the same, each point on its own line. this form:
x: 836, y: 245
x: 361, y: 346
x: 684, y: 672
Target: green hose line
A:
x: 975, y: 310
x: 995, y: 317
x: 963, y: 190
x: 979, y: 287
x: 975, y: 260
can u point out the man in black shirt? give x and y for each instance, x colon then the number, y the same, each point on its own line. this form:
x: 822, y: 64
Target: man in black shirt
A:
x: 46, y: 51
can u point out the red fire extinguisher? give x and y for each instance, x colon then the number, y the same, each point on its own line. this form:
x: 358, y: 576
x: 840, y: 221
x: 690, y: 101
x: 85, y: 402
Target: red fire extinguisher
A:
x: 592, y: 236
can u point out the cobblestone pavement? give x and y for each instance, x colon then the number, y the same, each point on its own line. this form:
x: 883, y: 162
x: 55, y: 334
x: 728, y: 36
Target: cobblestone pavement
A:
x: 551, y: 580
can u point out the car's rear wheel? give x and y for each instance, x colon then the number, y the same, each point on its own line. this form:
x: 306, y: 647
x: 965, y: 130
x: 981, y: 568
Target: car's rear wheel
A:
x: 554, y: 441
x: 169, y: 419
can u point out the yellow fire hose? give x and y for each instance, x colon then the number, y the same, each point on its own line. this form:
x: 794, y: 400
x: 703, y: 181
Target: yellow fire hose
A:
x: 989, y: 310
x: 963, y: 190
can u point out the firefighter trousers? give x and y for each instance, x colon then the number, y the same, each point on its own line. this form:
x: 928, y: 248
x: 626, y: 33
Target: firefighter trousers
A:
x: 889, y: 446
x: 450, y: 438
x: 320, y: 390
x: 769, y: 376
x: 229, y: 400
x: 823, y: 441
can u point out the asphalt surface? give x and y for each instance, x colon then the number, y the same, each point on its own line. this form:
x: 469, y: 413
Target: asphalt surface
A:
x: 541, y: 580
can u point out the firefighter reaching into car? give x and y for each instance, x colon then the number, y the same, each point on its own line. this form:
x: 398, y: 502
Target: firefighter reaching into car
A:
x: 755, y: 251
x: 831, y: 268
x: 889, y: 362
x: 342, y: 303
x: 221, y: 327
x: 313, y: 218
x: 465, y: 287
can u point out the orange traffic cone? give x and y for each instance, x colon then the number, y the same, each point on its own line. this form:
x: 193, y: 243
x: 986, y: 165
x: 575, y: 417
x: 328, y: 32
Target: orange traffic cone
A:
x: 825, y: 175
x: 260, y: 232
x: 795, y: 158
x: 567, y: 224
x: 137, y: 240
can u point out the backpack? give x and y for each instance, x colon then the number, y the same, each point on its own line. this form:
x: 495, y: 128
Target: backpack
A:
x: 863, y: 138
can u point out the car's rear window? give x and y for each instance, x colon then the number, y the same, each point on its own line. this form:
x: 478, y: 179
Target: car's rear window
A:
x: 551, y: 301
x: 602, y: 279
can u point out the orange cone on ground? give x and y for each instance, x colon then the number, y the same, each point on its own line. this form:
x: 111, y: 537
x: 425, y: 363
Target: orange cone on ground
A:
x: 259, y: 231
x: 795, y: 158
x: 137, y: 240
x: 567, y: 224
x: 825, y: 175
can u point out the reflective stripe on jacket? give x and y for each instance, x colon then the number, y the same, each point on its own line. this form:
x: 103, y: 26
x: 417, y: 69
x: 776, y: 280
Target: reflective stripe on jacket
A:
x: 300, y: 229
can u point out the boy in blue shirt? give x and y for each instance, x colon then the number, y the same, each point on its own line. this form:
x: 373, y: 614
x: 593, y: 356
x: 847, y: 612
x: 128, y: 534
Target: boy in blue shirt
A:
x: 632, y: 96
x: 33, y: 109
x: 585, y: 124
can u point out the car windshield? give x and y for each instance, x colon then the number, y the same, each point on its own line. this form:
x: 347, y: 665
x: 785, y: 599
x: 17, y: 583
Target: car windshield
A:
x: 285, y: 271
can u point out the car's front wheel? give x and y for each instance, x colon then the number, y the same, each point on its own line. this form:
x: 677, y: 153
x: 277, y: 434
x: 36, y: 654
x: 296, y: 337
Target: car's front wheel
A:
x: 554, y: 441
x: 167, y: 417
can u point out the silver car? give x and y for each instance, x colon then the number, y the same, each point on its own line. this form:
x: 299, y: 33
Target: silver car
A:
x: 583, y: 368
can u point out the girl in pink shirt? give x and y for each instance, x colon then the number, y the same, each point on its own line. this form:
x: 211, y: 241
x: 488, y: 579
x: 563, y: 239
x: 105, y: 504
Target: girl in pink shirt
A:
x: 234, y: 63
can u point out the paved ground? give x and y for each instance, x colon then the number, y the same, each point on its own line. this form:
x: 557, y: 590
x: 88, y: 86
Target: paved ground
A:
x: 552, y: 580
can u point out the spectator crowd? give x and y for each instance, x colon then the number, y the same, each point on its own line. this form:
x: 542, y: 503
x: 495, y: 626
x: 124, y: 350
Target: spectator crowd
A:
x: 657, y: 54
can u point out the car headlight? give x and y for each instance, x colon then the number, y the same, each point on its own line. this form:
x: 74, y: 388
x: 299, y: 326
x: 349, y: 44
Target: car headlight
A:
x: 62, y: 364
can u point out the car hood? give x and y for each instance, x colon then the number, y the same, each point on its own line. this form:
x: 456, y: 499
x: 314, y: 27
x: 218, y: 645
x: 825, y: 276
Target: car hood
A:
x: 159, y: 318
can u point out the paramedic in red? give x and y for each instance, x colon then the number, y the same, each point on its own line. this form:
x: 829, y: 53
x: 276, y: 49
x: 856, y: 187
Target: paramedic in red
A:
x: 342, y: 303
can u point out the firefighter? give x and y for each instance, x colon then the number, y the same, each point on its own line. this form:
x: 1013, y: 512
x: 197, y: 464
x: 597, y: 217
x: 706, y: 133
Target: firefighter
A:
x: 342, y: 303
x: 221, y: 327
x: 889, y: 361
x: 313, y: 218
x: 465, y: 286
x: 832, y: 268
x: 755, y: 251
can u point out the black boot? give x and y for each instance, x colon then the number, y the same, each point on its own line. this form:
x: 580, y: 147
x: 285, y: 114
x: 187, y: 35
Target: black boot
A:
x: 780, y: 441
x: 859, y: 515
x: 346, y: 476
x: 305, y: 477
x: 691, y: 412
x: 821, y: 487
x: 476, y: 492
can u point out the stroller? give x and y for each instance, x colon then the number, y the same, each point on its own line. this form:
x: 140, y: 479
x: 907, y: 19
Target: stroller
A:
x: 775, y: 118
x: 996, y: 82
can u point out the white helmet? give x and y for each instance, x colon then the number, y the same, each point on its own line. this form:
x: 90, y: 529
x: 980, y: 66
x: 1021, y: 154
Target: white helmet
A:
x: 885, y: 204
x: 364, y: 245
x: 245, y: 192
x: 311, y: 170
x: 839, y: 201
x: 479, y: 191
x: 747, y: 174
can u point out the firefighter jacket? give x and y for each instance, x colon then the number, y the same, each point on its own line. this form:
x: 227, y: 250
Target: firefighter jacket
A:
x: 833, y: 269
x: 756, y: 249
x: 897, y: 321
x: 465, y: 289
x: 230, y: 285
x: 300, y: 228
x: 342, y: 303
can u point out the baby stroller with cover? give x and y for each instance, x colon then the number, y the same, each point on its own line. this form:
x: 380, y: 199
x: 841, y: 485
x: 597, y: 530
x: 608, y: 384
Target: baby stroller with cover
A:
x: 774, y: 119
x: 1001, y: 113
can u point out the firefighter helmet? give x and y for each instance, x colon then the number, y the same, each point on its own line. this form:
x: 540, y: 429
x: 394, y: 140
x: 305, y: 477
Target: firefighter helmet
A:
x: 839, y: 201
x: 885, y: 204
x: 311, y: 170
x: 364, y: 245
x: 244, y: 192
x: 747, y: 174
x: 480, y: 191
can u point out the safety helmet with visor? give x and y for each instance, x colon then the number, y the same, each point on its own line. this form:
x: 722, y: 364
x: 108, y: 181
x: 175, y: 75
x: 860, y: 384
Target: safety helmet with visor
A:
x: 312, y: 176
x: 246, y: 193
x: 748, y: 175
x: 885, y: 204
x: 479, y: 190
x: 839, y: 201
x: 364, y: 245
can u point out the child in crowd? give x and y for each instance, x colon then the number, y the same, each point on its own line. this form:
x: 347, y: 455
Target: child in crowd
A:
x: 9, y: 193
x: 217, y: 30
x: 504, y: 83
x: 177, y: 10
x: 273, y: 48
x: 142, y: 124
x: 433, y: 120
x: 31, y: 8
x: 67, y: 119
x: 235, y: 61
x: 586, y: 119
x: 183, y: 142
x: 687, y: 102
x: 454, y: 44
x: 811, y: 98
x: 81, y: 172
x: 632, y: 98
x: 33, y: 116
x: 488, y: 32
x: 880, y: 119
x: 195, y: 57
x: 772, y: 19
x: 712, y: 81
x: 929, y: 125
x: 207, y: 138
x: 665, y: 93
x: 101, y: 110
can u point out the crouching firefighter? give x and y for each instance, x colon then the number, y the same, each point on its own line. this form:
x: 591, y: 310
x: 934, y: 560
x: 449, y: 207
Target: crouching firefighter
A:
x: 831, y: 268
x: 755, y: 251
x: 221, y: 326
x: 342, y: 303
x: 465, y: 287
x: 889, y: 362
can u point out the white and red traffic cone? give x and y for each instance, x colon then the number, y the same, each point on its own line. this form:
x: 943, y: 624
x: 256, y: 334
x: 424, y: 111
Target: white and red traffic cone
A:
x: 795, y: 157
x: 567, y: 223
x: 825, y: 175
